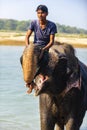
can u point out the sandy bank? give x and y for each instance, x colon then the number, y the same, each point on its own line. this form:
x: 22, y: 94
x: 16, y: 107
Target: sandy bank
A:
x: 13, y: 38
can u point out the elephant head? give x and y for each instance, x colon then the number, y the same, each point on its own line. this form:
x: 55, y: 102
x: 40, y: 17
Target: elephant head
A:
x: 54, y: 67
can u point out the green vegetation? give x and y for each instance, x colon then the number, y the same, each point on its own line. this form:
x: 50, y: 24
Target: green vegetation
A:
x: 10, y: 24
x: 70, y: 30
x: 15, y: 25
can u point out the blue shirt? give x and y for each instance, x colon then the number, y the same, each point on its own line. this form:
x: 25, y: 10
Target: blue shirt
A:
x: 42, y: 36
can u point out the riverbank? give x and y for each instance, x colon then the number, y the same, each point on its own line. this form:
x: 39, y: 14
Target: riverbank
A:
x: 18, y: 39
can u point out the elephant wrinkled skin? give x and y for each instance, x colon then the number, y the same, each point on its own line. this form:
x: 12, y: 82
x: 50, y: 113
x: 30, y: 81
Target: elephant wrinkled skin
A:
x: 61, y: 83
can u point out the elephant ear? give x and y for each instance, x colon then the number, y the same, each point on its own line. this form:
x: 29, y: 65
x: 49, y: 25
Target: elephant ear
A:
x: 74, y: 81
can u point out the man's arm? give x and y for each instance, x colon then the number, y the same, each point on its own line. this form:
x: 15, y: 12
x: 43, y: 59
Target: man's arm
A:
x: 52, y: 36
x: 28, y: 34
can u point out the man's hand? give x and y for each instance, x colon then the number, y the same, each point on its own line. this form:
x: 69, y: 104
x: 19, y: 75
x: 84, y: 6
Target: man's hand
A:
x: 30, y: 87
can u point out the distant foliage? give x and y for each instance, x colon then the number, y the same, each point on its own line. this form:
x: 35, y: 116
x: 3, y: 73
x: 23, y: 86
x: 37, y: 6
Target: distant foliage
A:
x: 70, y: 30
x: 15, y: 25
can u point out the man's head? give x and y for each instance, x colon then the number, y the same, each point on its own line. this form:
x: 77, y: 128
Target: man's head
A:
x: 43, y: 8
x: 42, y: 12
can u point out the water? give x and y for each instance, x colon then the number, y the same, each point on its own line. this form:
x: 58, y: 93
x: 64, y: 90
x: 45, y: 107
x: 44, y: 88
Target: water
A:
x: 19, y: 111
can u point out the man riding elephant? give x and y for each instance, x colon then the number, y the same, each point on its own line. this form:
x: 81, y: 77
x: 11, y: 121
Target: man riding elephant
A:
x: 44, y: 32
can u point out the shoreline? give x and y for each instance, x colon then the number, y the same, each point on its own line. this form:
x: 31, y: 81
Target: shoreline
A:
x: 18, y: 39
x: 10, y: 42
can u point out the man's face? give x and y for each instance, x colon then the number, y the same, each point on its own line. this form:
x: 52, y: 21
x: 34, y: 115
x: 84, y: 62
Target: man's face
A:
x: 41, y: 15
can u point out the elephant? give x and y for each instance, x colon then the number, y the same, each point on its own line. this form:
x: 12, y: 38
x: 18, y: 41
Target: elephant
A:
x: 59, y: 78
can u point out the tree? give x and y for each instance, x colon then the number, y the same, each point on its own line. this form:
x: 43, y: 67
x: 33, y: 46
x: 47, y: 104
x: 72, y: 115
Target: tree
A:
x: 11, y: 24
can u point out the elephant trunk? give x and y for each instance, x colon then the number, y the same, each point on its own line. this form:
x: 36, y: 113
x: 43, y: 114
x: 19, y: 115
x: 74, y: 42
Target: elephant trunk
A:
x: 29, y: 63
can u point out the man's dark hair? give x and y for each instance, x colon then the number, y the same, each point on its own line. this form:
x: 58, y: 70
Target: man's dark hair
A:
x: 43, y: 8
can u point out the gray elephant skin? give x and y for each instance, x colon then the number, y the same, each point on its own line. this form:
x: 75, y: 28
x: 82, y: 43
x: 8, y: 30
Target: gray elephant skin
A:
x: 60, y: 81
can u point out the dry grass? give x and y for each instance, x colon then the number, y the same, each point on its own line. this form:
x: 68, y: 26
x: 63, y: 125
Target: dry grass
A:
x: 18, y: 38
x: 76, y: 42
x: 12, y: 38
x: 12, y: 42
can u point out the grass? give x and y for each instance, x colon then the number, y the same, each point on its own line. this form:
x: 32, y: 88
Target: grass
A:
x: 71, y: 35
